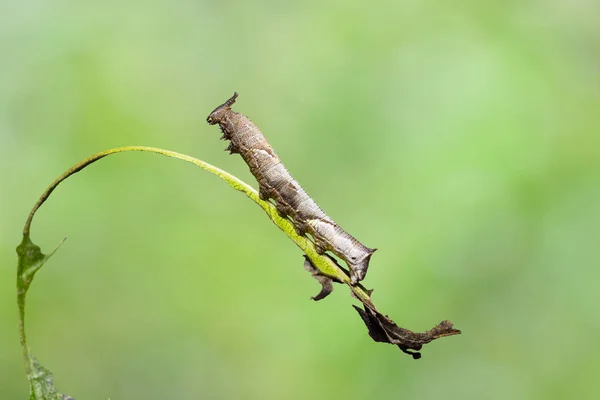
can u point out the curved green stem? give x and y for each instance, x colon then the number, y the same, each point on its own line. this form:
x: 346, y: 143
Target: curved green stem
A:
x: 324, y: 264
x: 31, y: 259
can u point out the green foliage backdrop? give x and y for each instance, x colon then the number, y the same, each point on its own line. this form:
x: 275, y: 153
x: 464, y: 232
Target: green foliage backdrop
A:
x: 460, y: 138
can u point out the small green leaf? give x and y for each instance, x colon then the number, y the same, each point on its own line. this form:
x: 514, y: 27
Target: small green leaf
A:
x: 42, y: 384
x: 31, y: 259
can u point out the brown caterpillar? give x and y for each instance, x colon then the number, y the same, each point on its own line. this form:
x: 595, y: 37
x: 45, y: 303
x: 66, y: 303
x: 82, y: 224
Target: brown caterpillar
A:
x: 276, y: 183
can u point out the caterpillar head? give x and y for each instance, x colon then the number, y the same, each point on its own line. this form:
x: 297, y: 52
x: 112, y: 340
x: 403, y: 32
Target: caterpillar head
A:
x: 219, y: 113
x: 358, y: 260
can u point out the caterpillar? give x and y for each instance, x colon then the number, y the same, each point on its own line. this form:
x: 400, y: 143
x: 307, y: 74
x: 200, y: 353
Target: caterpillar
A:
x: 291, y: 201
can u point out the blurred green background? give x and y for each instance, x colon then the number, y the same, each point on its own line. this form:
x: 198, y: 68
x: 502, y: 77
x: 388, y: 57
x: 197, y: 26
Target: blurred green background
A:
x: 460, y: 138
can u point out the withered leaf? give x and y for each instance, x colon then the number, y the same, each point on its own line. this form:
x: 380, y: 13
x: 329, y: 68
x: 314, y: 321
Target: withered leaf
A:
x: 383, y: 329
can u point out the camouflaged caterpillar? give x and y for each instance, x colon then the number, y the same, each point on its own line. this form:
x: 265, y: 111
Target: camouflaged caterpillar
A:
x: 276, y: 183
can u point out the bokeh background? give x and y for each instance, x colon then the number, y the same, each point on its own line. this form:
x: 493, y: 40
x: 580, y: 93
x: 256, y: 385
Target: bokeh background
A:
x: 460, y: 138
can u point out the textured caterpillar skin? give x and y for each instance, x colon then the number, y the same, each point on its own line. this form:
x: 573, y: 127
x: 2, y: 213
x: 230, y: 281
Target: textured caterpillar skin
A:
x: 275, y: 182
